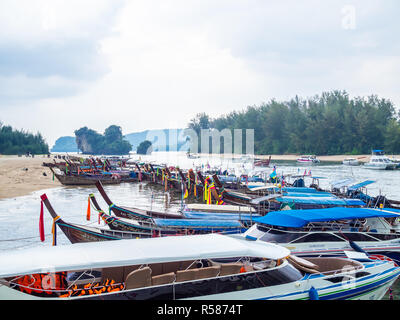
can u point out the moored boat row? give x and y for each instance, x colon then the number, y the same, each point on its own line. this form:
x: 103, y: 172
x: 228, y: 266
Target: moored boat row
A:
x: 262, y: 240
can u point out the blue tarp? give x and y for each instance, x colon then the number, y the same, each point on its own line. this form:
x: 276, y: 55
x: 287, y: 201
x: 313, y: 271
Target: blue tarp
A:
x: 235, y: 179
x: 300, y: 218
x: 314, y: 194
x: 361, y: 184
x: 220, y: 215
x: 299, y: 189
x: 321, y: 201
x: 200, y: 223
x: 228, y: 178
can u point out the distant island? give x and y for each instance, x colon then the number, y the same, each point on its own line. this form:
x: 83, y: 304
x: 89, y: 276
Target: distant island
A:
x: 65, y: 144
x: 111, y: 142
x: 161, y: 140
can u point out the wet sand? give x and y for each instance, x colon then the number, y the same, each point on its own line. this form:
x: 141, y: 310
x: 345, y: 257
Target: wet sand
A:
x: 16, y: 181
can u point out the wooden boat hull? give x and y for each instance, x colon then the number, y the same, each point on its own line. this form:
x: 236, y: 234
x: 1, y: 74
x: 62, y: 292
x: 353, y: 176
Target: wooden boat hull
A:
x: 82, y: 180
x: 79, y: 180
x: 76, y: 233
x: 133, y: 213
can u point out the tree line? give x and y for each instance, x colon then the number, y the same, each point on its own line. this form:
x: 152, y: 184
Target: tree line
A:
x: 13, y: 141
x: 326, y: 124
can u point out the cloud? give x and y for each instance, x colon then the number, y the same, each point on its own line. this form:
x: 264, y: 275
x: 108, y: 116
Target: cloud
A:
x: 46, y: 46
x: 154, y: 65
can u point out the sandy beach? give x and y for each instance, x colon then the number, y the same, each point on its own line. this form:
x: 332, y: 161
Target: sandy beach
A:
x: 16, y: 181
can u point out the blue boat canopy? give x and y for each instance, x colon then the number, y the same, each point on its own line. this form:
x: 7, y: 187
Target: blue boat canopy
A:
x: 300, y: 218
x: 321, y: 201
x: 314, y: 194
x: 298, y: 189
x: 361, y: 184
x: 197, y: 223
x: 220, y: 215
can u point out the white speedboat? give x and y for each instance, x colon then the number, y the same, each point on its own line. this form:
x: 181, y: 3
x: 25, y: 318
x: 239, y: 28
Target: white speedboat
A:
x: 379, y: 161
x: 331, y: 231
x: 308, y: 159
x: 192, y: 155
x: 350, y: 162
x: 210, y: 266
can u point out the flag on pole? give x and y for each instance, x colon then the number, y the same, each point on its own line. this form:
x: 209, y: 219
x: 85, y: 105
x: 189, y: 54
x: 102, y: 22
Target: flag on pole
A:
x: 273, y: 173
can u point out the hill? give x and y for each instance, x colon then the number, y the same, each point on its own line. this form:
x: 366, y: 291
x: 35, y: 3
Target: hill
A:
x: 65, y: 144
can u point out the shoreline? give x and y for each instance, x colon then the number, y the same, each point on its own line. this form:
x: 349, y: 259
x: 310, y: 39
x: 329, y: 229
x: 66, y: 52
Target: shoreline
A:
x: 20, y: 176
x: 293, y: 157
x: 332, y: 158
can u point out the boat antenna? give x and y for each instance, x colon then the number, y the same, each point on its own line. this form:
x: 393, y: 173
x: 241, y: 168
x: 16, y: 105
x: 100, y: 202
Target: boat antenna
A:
x: 151, y: 202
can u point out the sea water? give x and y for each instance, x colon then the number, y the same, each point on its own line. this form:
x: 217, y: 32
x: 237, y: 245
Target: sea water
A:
x: 19, y: 217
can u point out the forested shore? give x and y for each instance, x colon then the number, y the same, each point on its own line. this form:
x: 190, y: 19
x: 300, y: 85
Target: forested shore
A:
x: 327, y: 124
x: 14, y: 142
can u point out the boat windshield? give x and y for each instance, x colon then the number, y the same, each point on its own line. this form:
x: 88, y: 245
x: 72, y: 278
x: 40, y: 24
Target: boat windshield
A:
x: 277, y: 236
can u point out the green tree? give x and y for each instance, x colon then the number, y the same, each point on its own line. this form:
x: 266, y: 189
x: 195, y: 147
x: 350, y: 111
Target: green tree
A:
x: 144, y: 147
x: 111, y: 143
x: 20, y: 142
x: 330, y: 123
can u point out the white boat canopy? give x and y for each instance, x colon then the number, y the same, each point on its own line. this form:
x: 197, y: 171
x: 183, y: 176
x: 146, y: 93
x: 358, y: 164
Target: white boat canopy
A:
x: 73, y: 257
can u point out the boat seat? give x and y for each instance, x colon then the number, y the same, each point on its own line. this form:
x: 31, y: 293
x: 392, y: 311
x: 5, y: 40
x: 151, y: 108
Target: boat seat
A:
x: 163, y: 279
x: 331, y: 265
x: 171, y: 266
x: 302, y: 267
x: 186, y: 275
x: 138, y: 278
x: 207, y: 272
x: 230, y: 268
x: 156, y: 269
x: 128, y: 270
x: 303, y: 262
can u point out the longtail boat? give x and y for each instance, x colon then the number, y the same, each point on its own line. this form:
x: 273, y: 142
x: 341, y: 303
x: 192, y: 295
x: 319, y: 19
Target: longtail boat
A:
x: 77, y: 233
x: 133, y: 213
x: 166, y: 227
x: 292, y: 199
x: 85, y: 179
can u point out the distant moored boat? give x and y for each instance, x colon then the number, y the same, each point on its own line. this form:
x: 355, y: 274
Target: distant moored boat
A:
x: 351, y: 162
x: 379, y: 161
x: 308, y: 159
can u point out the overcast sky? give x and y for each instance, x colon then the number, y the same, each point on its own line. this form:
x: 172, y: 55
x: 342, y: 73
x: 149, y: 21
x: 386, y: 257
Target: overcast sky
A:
x: 155, y: 64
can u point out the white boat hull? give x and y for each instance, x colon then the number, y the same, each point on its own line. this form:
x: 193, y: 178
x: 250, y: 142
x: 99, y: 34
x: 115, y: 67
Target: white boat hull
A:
x: 382, y: 166
x: 351, y: 163
x: 379, y: 277
x: 372, y: 287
